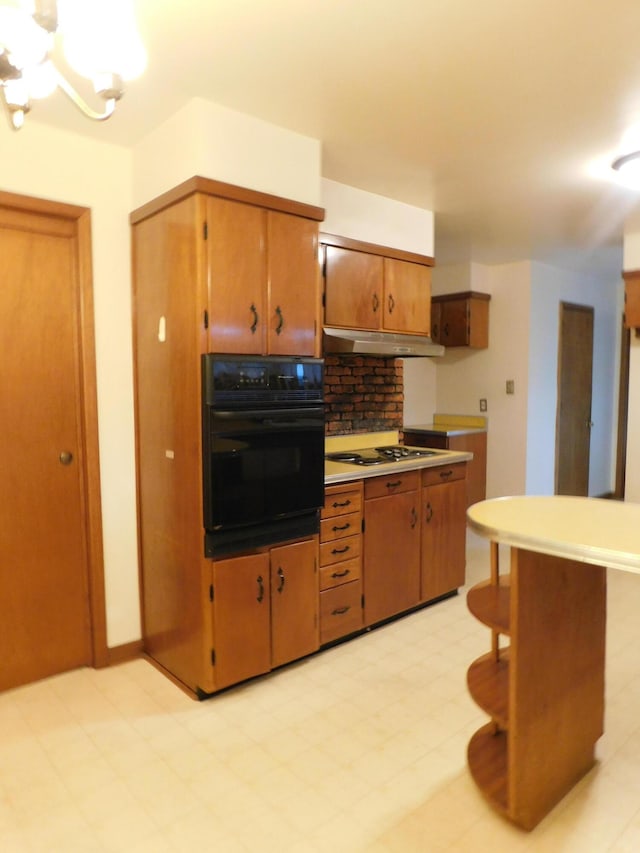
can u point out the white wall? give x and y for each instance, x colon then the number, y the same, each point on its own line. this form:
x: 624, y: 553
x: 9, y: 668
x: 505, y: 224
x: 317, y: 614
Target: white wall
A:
x: 631, y: 261
x: 549, y: 287
x: 47, y: 163
x: 211, y: 141
x: 419, y: 376
x: 465, y: 376
x: 360, y: 215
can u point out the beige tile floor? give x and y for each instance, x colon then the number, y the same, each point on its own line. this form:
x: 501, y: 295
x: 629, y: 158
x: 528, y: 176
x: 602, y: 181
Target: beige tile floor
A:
x: 360, y: 748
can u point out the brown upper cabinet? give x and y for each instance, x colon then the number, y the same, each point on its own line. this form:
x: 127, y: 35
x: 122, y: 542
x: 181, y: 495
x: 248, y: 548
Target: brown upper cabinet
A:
x: 374, y: 288
x: 252, y: 258
x: 632, y: 299
x: 461, y: 319
x: 264, y: 279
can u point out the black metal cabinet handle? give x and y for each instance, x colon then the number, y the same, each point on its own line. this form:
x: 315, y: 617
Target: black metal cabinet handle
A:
x: 337, y: 504
x: 260, y: 589
x: 414, y: 517
x: 341, y: 550
x: 375, y: 302
x: 281, y: 579
x: 280, y: 320
x: 336, y: 527
x: 341, y: 574
x: 393, y: 484
x: 340, y: 611
x: 429, y: 515
x: 254, y: 325
x: 446, y: 474
x: 391, y: 303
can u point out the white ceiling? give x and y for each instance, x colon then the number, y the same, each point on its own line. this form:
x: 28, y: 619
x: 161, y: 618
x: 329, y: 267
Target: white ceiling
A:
x: 501, y: 116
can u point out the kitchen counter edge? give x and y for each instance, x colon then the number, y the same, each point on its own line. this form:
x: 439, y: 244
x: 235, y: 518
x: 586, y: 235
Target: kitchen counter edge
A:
x: 340, y: 472
x: 444, y: 429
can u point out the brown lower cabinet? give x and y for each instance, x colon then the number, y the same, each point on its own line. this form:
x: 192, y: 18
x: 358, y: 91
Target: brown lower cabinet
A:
x: 391, y: 545
x: 472, y: 442
x: 265, y: 610
x: 444, y: 505
x: 414, y: 539
x: 341, y: 562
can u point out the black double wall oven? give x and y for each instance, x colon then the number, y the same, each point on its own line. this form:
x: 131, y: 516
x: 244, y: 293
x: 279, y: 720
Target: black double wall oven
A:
x: 263, y: 450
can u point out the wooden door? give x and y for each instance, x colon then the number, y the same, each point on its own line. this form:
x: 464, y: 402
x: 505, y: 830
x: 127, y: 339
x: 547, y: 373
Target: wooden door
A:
x: 573, y: 416
x: 407, y: 297
x: 443, y: 538
x: 295, y: 601
x: 237, y: 277
x: 353, y: 289
x: 50, y: 522
x: 241, y: 618
x: 293, y: 299
x: 391, y: 555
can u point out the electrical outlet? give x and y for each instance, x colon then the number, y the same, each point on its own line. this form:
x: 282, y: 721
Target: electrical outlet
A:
x: 511, y: 386
x: 483, y: 404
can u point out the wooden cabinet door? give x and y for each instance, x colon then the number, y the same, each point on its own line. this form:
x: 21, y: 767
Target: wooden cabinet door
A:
x: 293, y: 304
x: 237, y: 277
x: 391, y: 555
x: 241, y: 618
x: 407, y: 297
x: 443, y: 538
x: 454, y: 323
x: 295, y: 601
x: 354, y: 289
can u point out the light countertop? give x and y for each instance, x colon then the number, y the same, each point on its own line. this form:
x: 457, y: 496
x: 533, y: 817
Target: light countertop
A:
x: 443, y: 429
x: 590, y: 530
x: 450, y: 425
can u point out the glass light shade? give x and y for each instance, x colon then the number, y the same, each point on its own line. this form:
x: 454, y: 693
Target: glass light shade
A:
x: 21, y: 38
x: 16, y: 93
x: 41, y: 79
x: 100, y: 36
x: 628, y: 170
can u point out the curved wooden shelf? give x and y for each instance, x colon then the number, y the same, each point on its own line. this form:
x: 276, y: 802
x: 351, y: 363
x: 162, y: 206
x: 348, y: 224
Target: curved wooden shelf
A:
x: 487, y: 758
x: 490, y: 604
x: 488, y: 683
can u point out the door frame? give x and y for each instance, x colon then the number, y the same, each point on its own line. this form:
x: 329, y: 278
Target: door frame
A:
x: 623, y: 411
x: 80, y: 217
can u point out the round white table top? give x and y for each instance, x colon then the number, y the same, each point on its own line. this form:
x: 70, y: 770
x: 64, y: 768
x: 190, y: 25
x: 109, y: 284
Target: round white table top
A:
x: 590, y: 530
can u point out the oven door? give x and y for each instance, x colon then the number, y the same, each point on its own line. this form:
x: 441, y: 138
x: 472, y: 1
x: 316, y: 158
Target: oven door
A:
x: 261, y: 468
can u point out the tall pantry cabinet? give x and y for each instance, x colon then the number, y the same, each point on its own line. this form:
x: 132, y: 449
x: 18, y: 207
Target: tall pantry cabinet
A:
x: 216, y: 268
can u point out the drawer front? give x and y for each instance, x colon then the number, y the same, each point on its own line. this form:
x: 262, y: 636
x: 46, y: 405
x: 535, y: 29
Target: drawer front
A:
x: 340, y: 503
x: 339, y: 573
x: 444, y: 474
x: 340, y: 525
x: 391, y: 484
x: 341, y: 549
x: 340, y: 611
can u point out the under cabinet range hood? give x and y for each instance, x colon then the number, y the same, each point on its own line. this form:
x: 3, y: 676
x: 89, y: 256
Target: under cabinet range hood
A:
x: 390, y: 344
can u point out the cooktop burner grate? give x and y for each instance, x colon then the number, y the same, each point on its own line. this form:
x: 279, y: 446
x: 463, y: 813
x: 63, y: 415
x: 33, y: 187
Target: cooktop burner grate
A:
x: 379, y: 455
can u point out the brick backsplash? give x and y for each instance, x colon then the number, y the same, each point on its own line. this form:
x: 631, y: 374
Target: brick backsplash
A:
x: 362, y: 393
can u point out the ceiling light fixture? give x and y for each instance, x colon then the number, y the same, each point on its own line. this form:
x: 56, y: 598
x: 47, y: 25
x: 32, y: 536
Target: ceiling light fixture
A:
x: 628, y: 169
x: 100, y: 42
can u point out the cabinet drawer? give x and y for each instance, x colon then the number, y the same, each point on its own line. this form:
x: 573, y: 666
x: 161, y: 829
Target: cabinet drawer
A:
x: 444, y: 474
x: 341, y: 549
x: 391, y: 484
x: 339, y: 573
x: 339, y: 503
x: 340, y: 611
x: 339, y: 526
